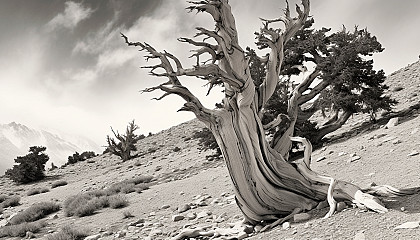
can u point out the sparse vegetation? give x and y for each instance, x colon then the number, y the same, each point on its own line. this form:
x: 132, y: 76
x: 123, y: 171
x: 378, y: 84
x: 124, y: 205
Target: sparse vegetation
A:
x: 117, y: 201
x: 127, y: 214
x: 207, y: 141
x: 20, y: 230
x: 35, y: 212
x: 125, y: 144
x: 58, y: 184
x: 76, y: 157
x: 11, y: 201
x: 70, y: 233
x: 30, y: 167
x: 36, y: 191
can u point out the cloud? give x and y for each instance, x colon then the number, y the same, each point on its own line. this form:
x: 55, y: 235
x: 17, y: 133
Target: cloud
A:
x: 72, y: 15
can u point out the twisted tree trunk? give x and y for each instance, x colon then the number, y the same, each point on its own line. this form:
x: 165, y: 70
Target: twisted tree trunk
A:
x: 267, y: 186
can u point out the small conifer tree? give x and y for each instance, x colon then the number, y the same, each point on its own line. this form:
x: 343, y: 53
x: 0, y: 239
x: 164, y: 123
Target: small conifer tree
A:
x: 124, y: 145
x: 30, y: 167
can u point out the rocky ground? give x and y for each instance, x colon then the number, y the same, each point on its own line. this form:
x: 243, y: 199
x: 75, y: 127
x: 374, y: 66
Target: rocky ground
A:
x: 190, y: 191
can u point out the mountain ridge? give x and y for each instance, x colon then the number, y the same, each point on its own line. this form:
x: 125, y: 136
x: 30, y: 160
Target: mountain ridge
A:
x: 16, y: 138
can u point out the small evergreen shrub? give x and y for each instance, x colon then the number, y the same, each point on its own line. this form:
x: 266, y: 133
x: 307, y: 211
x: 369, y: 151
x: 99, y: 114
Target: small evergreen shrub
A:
x: 30, y: 167
x: 35, y: 212
x: 58, y: 184
x: 76, y: 157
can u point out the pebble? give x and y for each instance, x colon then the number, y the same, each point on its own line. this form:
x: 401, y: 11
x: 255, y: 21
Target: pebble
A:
x: 359, y: 236
x: 413, y: 153
x: 392, y: 123
x: 341, y: 206
x: 203, y: 214
x: 301, y: 217
x: 285, y: 225
x: 191, y: 216
x: 322, y: 205
x: 184, y: 208
x: 93, y: 237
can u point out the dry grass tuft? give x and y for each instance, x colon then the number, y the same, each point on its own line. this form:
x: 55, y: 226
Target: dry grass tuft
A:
x: 69, y: 233
x: 58, y: 184
x: 11, y: 201
x: 36, y: 191
x: 35, y: 212
x: 21, y: 229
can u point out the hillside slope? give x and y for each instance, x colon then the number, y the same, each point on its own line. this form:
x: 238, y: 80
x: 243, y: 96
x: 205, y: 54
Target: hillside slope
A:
x: 362, y: 153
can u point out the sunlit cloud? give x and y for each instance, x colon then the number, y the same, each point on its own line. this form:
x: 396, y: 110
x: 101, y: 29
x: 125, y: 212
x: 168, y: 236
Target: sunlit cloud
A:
x: 72, y: 15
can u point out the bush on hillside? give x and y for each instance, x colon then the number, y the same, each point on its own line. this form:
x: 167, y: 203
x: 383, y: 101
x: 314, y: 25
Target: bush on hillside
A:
x: 21, y: 229
x: 70, y: 233
x: 30, y: 167
x: 11, y: 201
x: 35, y: 212
x: 58, y: 184
x: 76, y: 157
x: 36, y: 191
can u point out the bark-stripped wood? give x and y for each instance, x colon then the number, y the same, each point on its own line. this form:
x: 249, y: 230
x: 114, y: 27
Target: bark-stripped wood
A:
x: 267, y: 186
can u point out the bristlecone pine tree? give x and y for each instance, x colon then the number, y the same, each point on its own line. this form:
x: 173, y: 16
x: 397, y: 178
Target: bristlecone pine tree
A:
x: 343, y: 81
x: 126, y: 143
x: 267, y: 186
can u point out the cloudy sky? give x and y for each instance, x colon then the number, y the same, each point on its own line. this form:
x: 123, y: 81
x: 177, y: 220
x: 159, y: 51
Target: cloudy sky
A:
x: 64, y: 66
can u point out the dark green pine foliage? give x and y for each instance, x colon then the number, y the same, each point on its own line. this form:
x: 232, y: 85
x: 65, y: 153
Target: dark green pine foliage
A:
x: 30, y: 167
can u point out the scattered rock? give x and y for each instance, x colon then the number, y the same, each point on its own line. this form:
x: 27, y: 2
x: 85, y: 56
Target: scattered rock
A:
x: 397, y: 141
x: 359, y: 236
x: 322, y: 205
x: 341, y: 206
x: 408, y: 225
x: 397, y: 89
x: 203, y: 214
x: 258, y: 228
x: 177, y: 218
x: 191, y: 216
x: 135, y: 223
x: 413, y: 153
x: 341, y: 154
x: 93, y: 237
x: 184, y: 208
x: 321, y: 158
x: 301, y: 217
x: 165, y: 206
x: 353, y: 159
x: 392, y: 123
x: 29, y: 235
x: 242, y: 235
x: 285, y: 225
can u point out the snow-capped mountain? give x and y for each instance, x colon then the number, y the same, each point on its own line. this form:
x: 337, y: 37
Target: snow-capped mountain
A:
x: 15, y: 140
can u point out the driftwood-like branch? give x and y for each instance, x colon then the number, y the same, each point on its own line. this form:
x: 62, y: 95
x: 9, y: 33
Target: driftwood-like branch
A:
x: 275, y: 39
x: 174, y: 86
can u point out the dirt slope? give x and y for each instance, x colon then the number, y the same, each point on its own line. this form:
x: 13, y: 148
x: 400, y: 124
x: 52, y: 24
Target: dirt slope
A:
x: 185, y: 177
